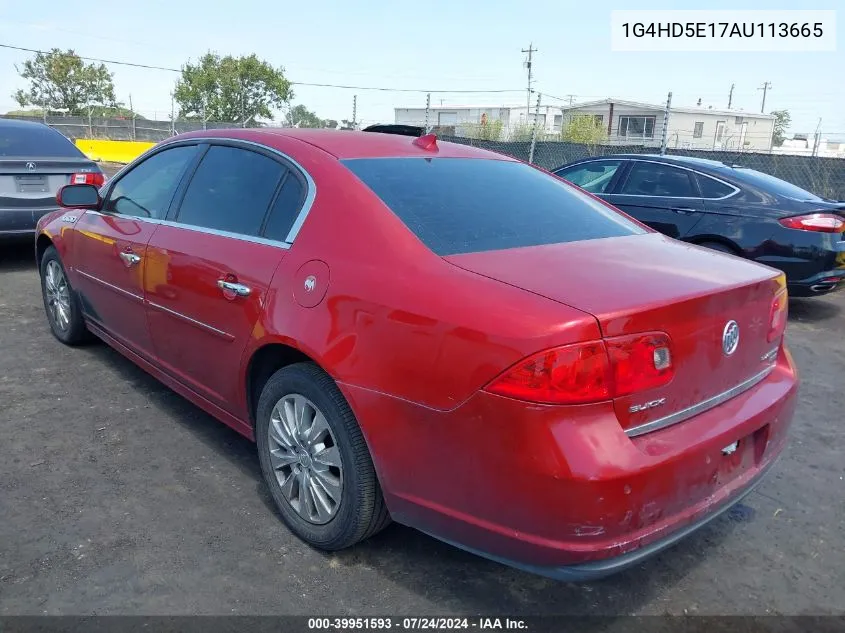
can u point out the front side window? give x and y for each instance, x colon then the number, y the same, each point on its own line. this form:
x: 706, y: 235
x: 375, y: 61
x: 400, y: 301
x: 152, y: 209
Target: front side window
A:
x: 465, y: 205
x: 636, y: 126
x: 594, y: 176
x: 657, y: 179
x: 147, y: 190
x: 231, y: 190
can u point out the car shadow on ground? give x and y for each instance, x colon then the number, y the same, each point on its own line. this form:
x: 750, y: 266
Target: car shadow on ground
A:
x: 816, y: 310
x: 17, y: 254
x: 457, y: 581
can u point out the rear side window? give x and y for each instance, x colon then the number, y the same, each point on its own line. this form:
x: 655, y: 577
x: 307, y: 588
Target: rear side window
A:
x: 657, y: 179
x: 285, y: 209
x: 33, y: 141
x: 230, y: 190
x: 712, y: 188
x: 594, y: 176
x: 461, y: 205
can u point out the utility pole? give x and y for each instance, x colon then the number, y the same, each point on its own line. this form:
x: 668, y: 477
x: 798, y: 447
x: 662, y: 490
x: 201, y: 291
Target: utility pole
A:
x: 530, y: 50
x: 765, y: 88
x: 730, y: 96
x: 427, y: 110
x: 132, y: 113
x: 817, y: 138
x: 571, y: 98
x: 172, y: 115
x: 534, y: 131
x: 665, y: 124
x: 354, y: 111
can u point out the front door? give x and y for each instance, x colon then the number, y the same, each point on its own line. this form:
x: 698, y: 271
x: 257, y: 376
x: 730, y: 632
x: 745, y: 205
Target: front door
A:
x: 210, y: 268
x: 111, y: 245
x: 664, y: 197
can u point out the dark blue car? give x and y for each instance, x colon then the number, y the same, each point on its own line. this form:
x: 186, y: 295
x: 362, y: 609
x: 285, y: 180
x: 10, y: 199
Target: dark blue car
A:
x: 728, y: 208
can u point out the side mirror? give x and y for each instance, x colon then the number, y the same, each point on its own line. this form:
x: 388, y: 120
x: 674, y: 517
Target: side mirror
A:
x: 79, y: 197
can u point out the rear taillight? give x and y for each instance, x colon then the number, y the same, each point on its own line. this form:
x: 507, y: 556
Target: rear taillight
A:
x: 589, y: 372
x: 573, y: 374
x: 820, y: 222
x: 640, y: 362
x: 778, y: 315
x: 88, y: 178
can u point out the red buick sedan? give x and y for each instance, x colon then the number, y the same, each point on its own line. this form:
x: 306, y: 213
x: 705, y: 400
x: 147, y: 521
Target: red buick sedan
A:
x: 434, y: 334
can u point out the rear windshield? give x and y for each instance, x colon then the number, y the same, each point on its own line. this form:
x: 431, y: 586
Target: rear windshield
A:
x: 774, y: 185
x: 33, y: 141
x: 465, y: 205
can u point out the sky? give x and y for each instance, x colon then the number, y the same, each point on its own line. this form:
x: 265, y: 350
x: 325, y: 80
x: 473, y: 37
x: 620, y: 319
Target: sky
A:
x: 435, y: 46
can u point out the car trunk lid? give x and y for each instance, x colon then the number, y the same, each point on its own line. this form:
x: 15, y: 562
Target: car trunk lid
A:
x: 32, y: 183
x: 649, y: 283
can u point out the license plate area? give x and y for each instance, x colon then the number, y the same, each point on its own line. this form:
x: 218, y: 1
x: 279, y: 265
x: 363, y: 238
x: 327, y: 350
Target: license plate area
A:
x: 739, y: 456
x: 31, y: 184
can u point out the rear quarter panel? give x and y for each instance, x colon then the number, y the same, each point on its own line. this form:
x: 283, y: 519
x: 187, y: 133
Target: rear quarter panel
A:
x: 395, y: 318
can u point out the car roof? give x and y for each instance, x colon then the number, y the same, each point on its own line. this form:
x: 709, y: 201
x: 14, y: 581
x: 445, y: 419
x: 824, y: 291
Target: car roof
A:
x: 688, y: 161
x: 7, y: 123
x: 345, y: 144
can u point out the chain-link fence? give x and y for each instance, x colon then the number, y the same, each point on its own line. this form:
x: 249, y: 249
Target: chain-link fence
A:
x: 122, y: 128
x: 820, y: 175
x: 823, y: 176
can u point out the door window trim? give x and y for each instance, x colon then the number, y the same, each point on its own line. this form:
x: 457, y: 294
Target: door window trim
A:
x: 286, y: 161
x: 695, y: 182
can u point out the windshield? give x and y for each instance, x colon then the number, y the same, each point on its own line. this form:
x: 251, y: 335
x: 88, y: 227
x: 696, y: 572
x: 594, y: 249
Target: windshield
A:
x: 463, y: 205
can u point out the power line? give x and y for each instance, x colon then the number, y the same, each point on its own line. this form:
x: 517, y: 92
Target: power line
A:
x: 295, y: 83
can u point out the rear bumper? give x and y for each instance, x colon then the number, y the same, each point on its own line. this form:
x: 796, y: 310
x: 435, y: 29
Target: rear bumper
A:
x: 563, y: 491
x: 21, y: 221
x: 818, y: 285
x: 595, y: 570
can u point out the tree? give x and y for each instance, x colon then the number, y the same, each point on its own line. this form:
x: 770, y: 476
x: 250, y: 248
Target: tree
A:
x: 585, y: 129
x: 61, y: 81
x: 236, y: 90
x: 782, y: 121
x: 300, y: 116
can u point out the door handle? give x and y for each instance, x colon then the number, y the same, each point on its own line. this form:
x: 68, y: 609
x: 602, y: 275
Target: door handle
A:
x: 683, y: 210
x: 130, y: 258
x: 232, y: 286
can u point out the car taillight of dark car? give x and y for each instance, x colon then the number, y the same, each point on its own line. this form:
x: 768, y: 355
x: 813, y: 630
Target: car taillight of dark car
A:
x: 819, y: 222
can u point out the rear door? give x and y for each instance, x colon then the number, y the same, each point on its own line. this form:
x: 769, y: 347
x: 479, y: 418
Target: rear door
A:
x: 110, y: 246
x: 662, y: 196
x: 210, y: 266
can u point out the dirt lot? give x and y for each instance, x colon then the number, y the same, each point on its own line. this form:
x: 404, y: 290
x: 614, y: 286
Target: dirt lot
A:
x: 117, y: 496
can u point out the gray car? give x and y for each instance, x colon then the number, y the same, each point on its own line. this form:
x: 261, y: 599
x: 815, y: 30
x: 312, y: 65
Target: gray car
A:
x: 35, y: 162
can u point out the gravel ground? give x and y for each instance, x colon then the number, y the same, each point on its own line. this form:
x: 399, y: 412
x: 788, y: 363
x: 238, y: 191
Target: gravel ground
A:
x: 119, y: 497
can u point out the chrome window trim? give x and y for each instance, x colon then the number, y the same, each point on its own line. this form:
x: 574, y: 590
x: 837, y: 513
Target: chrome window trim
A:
x: 695, y: 171
x: 198, y: 229
x: 117, y: 289
x: 310, y: 187
x: 200, y: 324
x: 701, y: 407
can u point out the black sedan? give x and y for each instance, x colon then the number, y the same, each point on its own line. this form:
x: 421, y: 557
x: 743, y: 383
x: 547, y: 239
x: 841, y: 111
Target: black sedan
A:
x: 728, y: 208
x: 35, y: 162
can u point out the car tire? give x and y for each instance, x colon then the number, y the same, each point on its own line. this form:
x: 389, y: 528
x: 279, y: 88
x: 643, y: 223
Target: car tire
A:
x: 718, y: 246
x: 295, y: 460
x: 61, y: 303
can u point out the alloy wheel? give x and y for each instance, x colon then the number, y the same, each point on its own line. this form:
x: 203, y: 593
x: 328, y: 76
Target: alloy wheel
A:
x: 305, y: 459
x: 58, y: 295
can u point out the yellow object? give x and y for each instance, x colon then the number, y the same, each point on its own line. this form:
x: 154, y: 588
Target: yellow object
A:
x: 112, y: 151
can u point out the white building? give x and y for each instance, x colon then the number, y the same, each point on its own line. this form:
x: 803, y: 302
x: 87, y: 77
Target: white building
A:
x: 465, y: 117
x: 633, y: 123
x: 626, y: 123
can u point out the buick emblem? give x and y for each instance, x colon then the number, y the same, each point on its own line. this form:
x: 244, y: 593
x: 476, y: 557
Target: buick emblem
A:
x: 31, y: 166
x: 730, y: 338
x: 310, y: 283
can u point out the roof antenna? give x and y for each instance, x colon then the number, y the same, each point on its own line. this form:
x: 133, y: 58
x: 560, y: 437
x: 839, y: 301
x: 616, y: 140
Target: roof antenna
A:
x: 427, y: 142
